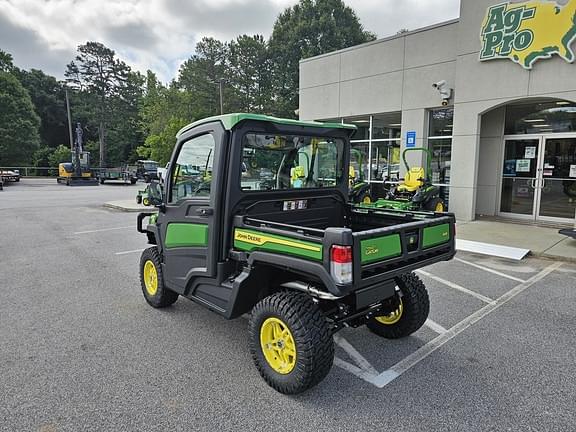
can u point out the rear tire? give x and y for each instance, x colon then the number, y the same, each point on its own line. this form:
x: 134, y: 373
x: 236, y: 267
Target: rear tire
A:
x: 133, y: 181
x: 102, y: 181
x: 152, y: 280
x: 411, y: 314
x: 138, y: 199
x: 304, y: 351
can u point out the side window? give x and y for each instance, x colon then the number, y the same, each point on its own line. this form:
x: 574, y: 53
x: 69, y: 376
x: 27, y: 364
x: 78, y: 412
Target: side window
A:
x: 192, y: 172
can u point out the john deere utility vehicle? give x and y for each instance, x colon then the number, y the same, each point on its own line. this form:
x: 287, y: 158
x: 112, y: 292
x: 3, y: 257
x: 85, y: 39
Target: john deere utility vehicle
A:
x: 290, y: 251
x: 416, y: 192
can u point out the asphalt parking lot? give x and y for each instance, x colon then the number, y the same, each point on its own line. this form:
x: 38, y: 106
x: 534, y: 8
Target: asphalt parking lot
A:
x: 81, y: 350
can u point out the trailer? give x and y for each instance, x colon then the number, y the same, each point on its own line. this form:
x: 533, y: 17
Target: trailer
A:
x: 120, y: 174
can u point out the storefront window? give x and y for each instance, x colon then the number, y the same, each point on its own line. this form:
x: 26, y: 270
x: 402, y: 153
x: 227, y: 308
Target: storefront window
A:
x: 441, y: 125
x: 541, y: 118
x: 441, y: 122
x: 363, y: 125
x: 386, y: 126
x: 385, y: 161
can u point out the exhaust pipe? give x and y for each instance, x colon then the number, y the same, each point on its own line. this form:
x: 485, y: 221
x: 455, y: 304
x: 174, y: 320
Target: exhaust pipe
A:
x: 309, y: 289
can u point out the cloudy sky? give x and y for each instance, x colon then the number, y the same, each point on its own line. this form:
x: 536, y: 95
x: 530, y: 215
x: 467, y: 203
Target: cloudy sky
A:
x: 161, y: 34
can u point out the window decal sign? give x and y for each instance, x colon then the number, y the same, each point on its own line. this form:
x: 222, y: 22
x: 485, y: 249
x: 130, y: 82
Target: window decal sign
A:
x: 525, y: 32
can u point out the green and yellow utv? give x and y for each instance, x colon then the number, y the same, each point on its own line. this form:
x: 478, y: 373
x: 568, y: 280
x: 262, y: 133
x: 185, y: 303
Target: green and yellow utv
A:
x: 270, y: 233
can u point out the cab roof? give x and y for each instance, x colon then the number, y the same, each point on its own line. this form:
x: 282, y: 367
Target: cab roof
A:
x: 229, y: 121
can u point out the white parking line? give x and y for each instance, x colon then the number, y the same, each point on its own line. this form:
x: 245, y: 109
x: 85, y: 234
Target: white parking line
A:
x: 489, y: 270
x: 129, y: 252
x: 104, y: 229
x: 435, y: 326
x: 354, y: 355
x: 416, y: 357
x: 456, y: 287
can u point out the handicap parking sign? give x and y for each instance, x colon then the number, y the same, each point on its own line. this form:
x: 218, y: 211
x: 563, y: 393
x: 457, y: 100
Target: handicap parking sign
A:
x: 411, y: 139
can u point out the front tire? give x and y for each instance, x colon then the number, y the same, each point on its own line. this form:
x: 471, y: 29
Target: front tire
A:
x: 291, y: 342
x: 436, y: 205
x: 411, y: 312
x: 152, y: 280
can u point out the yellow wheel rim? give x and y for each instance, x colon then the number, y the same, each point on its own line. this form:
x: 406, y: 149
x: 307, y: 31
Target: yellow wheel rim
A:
x: 439, y: 208
x: 393, y: 317
x: 150, y: 278
x: 278, y: 345
x: 145, y: 201
x: 366, y: 200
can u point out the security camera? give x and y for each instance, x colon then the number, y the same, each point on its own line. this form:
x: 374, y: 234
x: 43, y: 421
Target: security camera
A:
x: 444, y: 90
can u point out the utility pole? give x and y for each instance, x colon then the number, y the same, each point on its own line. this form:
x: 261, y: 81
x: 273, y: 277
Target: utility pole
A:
x: 69, y: 122
x: 220, y: 85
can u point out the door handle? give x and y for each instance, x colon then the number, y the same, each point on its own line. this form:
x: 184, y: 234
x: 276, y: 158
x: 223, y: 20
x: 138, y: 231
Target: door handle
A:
x: 205, y: 211
x: 533, y: 183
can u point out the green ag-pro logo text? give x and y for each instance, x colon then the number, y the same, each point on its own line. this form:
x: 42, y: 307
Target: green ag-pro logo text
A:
x: 528, y: 31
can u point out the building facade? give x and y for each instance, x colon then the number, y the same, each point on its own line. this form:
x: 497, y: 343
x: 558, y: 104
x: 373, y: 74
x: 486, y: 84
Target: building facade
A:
x: 492, y: 95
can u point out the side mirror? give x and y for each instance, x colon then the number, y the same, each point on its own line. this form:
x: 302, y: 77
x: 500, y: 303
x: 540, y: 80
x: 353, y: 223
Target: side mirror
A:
x: 155, y: 193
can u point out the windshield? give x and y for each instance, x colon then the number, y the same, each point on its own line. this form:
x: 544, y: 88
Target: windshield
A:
x: 150, y: 166
x: 280, y: 162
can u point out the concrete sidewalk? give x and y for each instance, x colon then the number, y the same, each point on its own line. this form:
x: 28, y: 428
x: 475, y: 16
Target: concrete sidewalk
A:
x: 541, y: 241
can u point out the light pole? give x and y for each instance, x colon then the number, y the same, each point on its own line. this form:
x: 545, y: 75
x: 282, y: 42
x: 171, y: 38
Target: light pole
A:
x: 220, y: 83
x: 69, y: 121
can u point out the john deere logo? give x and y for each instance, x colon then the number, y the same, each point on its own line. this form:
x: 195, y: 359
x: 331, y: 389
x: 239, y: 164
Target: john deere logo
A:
x: 371, y: 250
x: 528, y: 31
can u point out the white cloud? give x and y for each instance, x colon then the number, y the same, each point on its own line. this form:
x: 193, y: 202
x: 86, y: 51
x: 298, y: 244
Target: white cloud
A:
x: 161, y: 34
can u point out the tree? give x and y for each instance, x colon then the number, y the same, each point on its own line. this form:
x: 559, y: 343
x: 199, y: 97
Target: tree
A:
x: 96, y: 71
x: 200, y: 74
x: 309, y: 28
x: 249, y: 70
x: 6, y: 62
x: 59, y: 154
x: 159, y: 146
x: 48, y: 97
x: 19, y: 123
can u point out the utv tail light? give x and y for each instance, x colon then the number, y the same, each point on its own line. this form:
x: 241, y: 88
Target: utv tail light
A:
x: 341, y: 264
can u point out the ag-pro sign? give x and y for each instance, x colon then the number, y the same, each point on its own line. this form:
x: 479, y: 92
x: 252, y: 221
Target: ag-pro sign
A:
x: 528, y: 31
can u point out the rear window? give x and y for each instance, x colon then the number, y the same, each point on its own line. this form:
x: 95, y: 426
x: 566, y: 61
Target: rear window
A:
x: 281, y: 162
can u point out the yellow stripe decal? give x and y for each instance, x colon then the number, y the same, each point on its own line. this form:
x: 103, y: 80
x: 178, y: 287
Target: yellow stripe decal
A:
x: 259, y: 240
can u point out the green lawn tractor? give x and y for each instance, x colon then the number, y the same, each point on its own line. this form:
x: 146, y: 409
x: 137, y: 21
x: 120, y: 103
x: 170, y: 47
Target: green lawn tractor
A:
x: 416, y: 192
x: 143, y: 196
x: 359, y: 189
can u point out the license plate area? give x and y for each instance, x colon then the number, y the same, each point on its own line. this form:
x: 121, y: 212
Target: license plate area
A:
x: 368, y: 296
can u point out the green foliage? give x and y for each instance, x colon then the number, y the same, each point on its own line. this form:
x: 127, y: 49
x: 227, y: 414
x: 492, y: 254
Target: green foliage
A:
x: 6, y: 62
x: 199, y: 76
x: 48, y: 97
x: 158, y: 146
x: 249, y: 70
x: 60, y: 154
x: 19, y: 123
x: 309, y: 28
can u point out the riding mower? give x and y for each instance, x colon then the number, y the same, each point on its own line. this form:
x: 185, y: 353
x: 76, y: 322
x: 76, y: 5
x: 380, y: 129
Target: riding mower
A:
x: 143, y: 196
x: 416, y: 193
x: 358, y: 190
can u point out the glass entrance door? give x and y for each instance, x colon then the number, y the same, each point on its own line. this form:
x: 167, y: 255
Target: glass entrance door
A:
x: 539, y: 179
x: 558, y: 180
x: 520, y: 178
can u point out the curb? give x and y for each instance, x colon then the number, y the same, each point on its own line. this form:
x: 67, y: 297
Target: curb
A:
x: 125, y: 209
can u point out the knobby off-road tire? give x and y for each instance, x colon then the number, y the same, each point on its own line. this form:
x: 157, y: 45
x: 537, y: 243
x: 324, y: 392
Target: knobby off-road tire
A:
x: 152, y: 280
x: 309, y: 333
x: 411, y: 314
